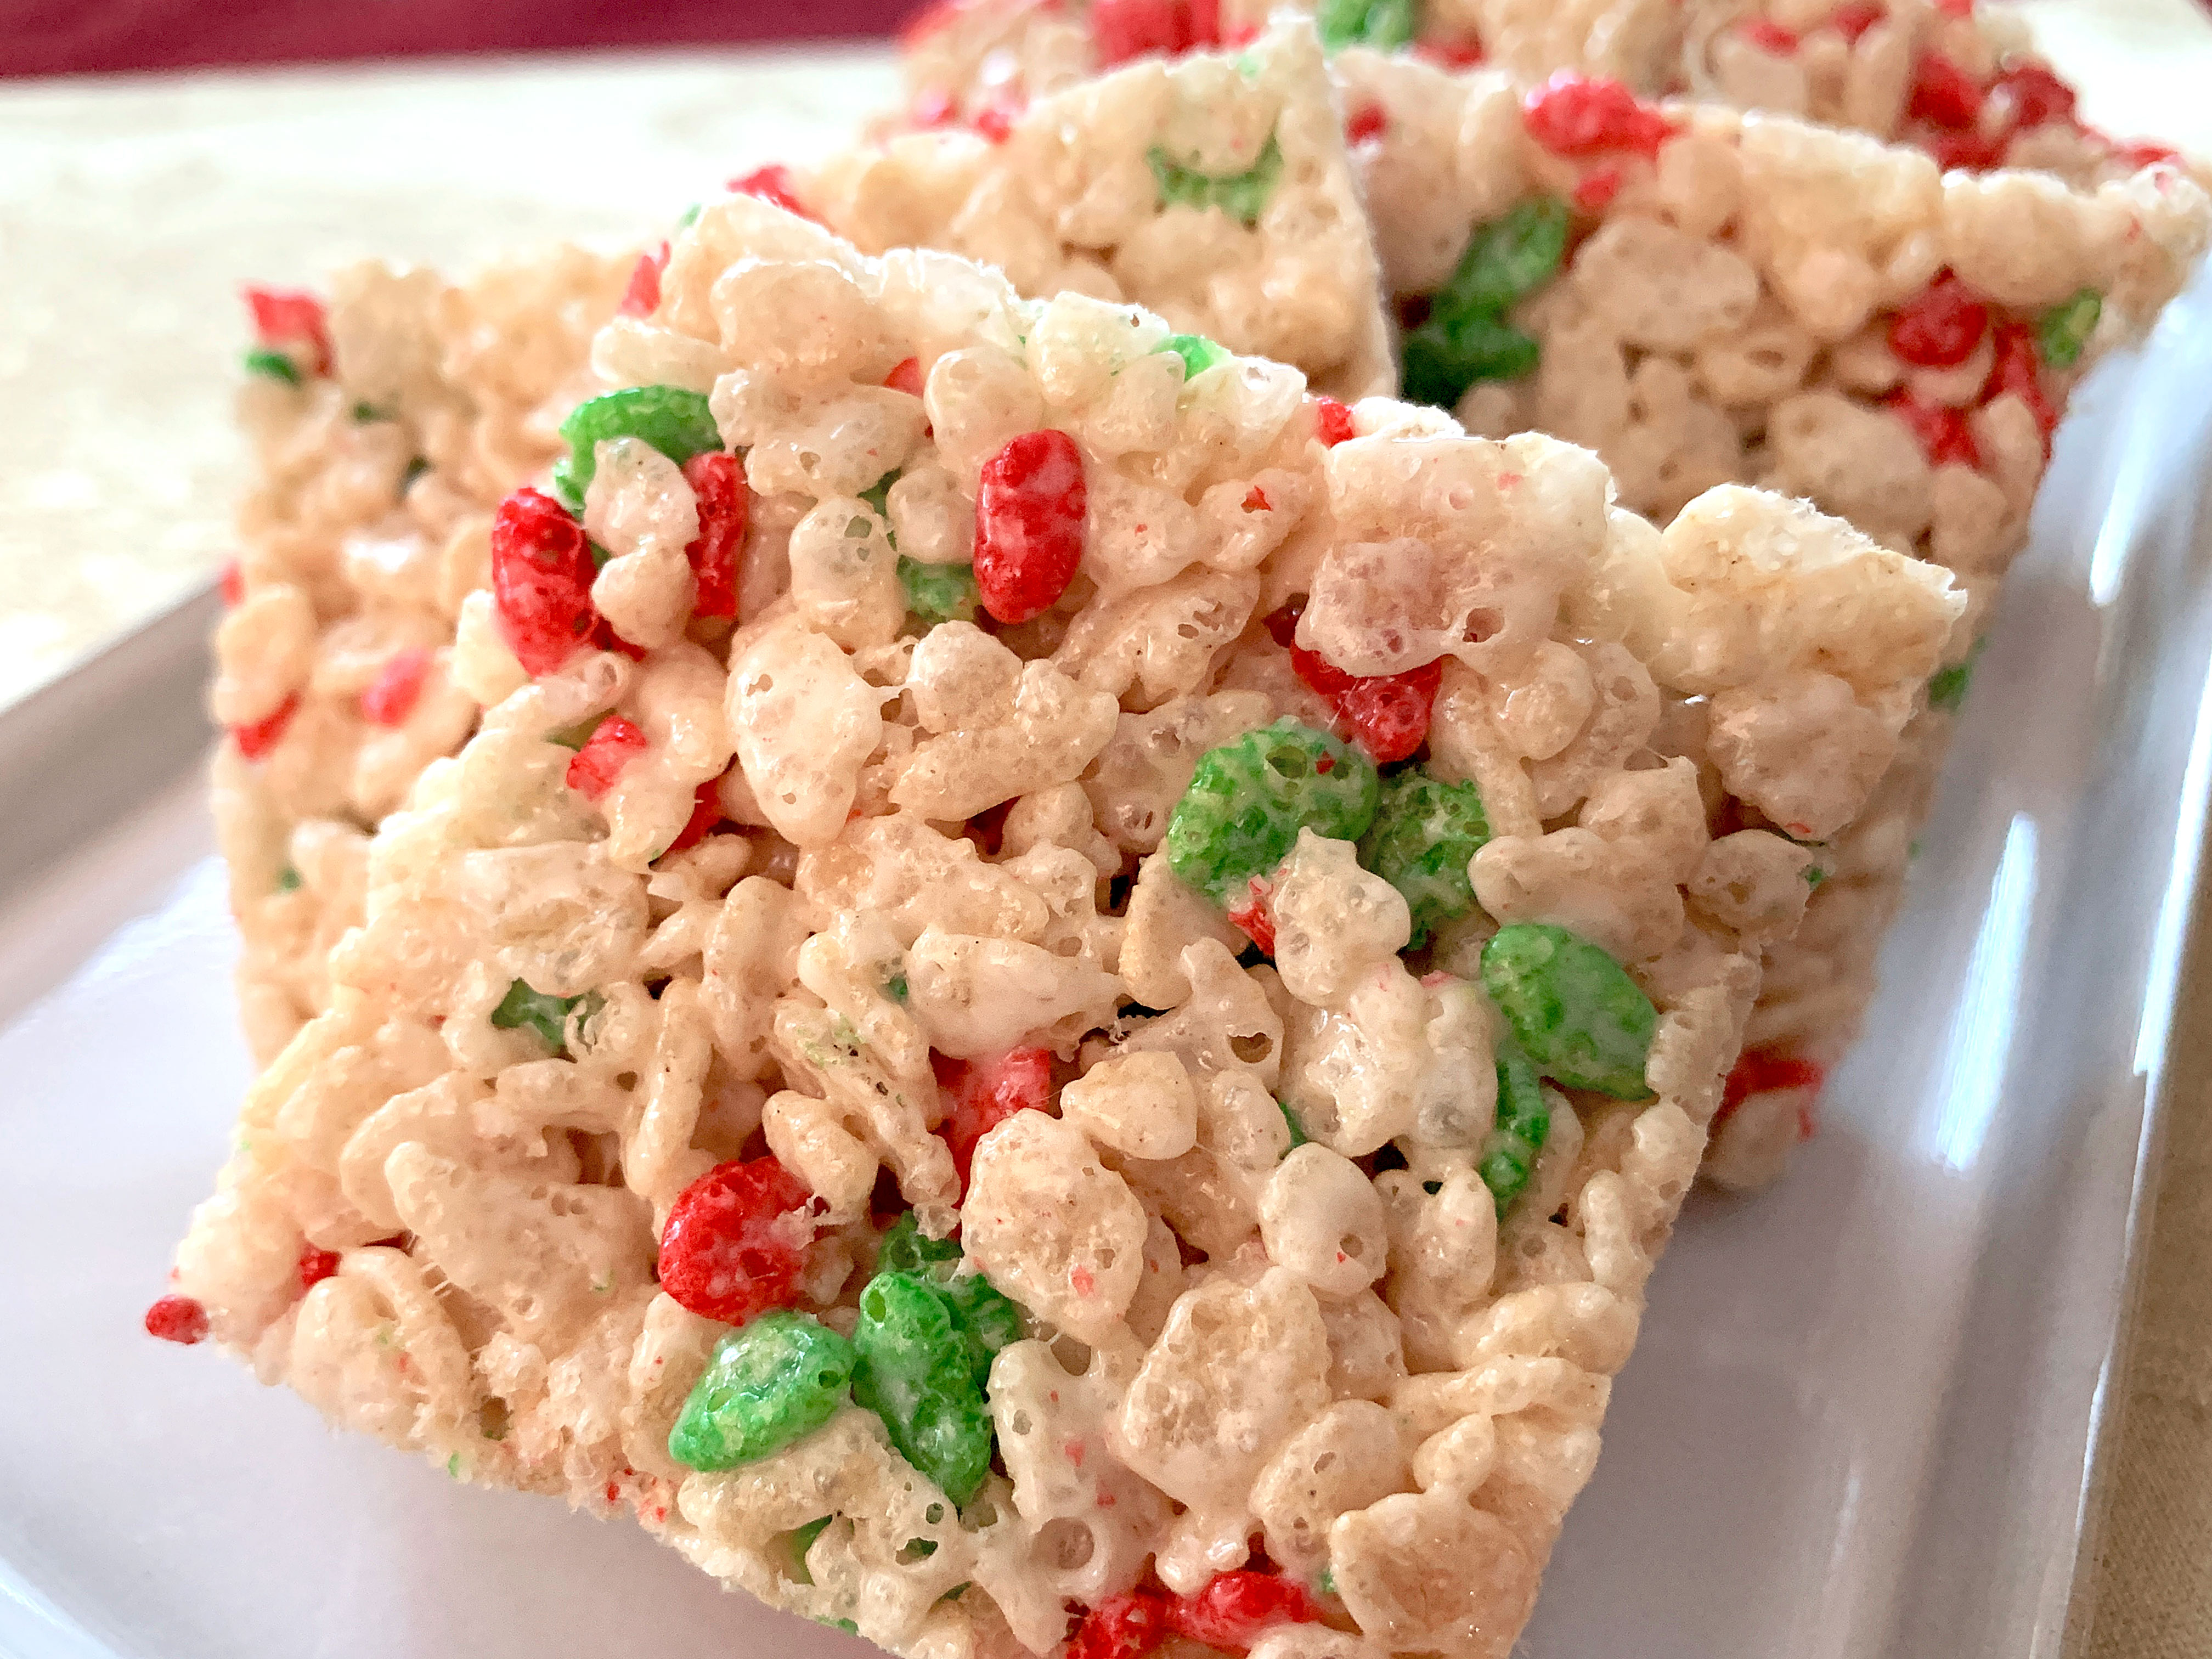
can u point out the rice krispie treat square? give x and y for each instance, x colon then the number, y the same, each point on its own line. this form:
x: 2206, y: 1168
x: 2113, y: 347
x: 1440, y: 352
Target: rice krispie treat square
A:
x: 386, y: 425
x: 1699, y: 295
x: 1158, y: 983
x: 1214, y: 189
x: 1961, y: 80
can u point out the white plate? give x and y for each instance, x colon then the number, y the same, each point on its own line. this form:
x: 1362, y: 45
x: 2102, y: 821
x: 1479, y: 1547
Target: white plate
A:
x: 1863, y: 1417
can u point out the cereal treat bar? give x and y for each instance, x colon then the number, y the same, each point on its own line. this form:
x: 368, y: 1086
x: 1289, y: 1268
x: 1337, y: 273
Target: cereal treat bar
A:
x: 1960, y: 81
x: 385, y: 426
x: 1215, y: 190
x: 1160, y: 984
x: 1703, y: 295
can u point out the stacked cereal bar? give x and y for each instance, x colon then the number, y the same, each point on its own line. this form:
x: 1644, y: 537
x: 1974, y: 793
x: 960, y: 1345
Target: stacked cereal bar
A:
x: 1215, y: 190
x: 385, y: 426
x: 1703, y: 295
x: 1160, y: 982
x: 1960, y: 80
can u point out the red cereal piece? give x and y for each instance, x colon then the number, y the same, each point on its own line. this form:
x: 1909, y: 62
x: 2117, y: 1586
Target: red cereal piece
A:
x: 906, y: 378
x: 773, y: 184
x: 541, y: 580
x: 177, y: 1319
x: 284, y: 316
x: 986, y: 1093
x: 2141, y: 155
x: 1769, y: 37
x: 1386, y: 714
x: 1030, y: 507
x: 257, y: 739
x: 393, y: 694
x: 642, y: 297
x: 1122, y: 29
x: 1255, y: 499
x: 614, y: 743
x: 995, y: 120
x: 1235, y: 1607
x: 2019, y: 370
x: 730, y: 1247
x: 1578, y: 116
x: 1254, y: 917
x: 1943, y: 431
x: 1944, y: 94
x: 1955, y: 7
x: 1594, y: 189
x: 1967, y: 152
x: 1852, y: 22
x: 706, y: 813
x: 1762, y: 1070
x: 231, y: 584
x: 1366, y: 122
x: 1464, y: 52
x: 1940, y: 327
x: 315, y: 1266
x: 1332, y: 422
x: 2035, y: 95
x: 718, y: 486
x: 1124, y: 1626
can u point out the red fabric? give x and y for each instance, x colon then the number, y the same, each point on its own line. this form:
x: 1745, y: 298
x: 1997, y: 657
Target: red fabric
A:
x: 69, y: 37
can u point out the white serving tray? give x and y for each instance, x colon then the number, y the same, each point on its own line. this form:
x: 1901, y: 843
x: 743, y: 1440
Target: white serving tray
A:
x: 1864, y: 1416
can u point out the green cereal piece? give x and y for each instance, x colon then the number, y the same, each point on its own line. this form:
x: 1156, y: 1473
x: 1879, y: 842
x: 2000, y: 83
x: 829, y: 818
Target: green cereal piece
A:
x: 1385, y: 25
x: 522, y: 1008
x: 1425, y: 831
x: 366, y: 413
x: 689, y: 217
x: 1466, y: 337
x: 878, y: 497
x: 984, y: 1320
x: 1326, y: 1582
x: 1814, y: 875
x: 1241, y: 196
x: 1198, y: 353
x: 1524, y: 1118
x: 1299, y: 1135
x: 1947, y: 687
x: 938, y: 592
x: 774, y: 1379
x: 272, y: 366
x: 907, y: 1249
x: 1445, y: 355
x: 987, y: 1318
x: 2062, y: 331
x: 288, y: 879
x: 1581, y: 1019
x: 1250, y: 797
x: 799, y: 1541
x: 1507, y: 260
x: 916, y: 1372
x: 675, y: 421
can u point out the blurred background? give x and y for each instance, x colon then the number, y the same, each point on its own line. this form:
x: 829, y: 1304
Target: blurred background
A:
x: 70, y: 37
